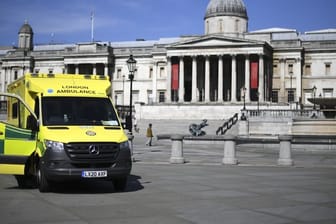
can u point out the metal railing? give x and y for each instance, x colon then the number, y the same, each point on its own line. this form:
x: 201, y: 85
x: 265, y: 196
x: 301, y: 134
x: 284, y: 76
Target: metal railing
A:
x: 266, y: 113
x: 227, y: 125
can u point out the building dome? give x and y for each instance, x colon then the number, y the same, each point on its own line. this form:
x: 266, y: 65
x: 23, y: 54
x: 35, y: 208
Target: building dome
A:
x: 26, y: 28
x: 26, y: 36
x: 226, y: 8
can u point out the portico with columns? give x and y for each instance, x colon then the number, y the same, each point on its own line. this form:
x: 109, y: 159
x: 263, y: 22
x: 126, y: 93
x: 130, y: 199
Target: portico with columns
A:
x: 215, y: 69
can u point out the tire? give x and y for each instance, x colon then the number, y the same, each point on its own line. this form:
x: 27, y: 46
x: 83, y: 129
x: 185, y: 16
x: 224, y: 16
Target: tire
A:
x: 43, y: 182
x: 26, y: 181
x: 120, y: 184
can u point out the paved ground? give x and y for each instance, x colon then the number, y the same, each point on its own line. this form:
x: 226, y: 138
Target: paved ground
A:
x: 200, y: 191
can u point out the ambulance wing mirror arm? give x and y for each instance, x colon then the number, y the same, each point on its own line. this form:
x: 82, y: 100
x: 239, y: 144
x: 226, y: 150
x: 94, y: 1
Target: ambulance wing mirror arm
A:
x: 32, y: 123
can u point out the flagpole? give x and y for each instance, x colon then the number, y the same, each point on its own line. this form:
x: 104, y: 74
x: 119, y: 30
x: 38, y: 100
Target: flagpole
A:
x: 92, y: 26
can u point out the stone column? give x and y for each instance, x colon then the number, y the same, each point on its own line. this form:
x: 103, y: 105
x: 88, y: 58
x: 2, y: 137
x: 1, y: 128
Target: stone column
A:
x: 282, y: 80
x: 194, y: 79
x: 234, y: 79
x: 230, y: 150
x: 285, y: 156
x: 220, y: 78
x: 298, y: 76
x: 154, y: 83
x: 8, y: 77
x: 106, y: 67
x: 2, y: 80
x: 207, y: 79
x: 76, y: 69
x: 177, y: 150
x: 94, y: 69
x: 261, y: 79
x: 169, y: 71
x: 247, y: 78
x: 181, y: 81
x: 66, y: 67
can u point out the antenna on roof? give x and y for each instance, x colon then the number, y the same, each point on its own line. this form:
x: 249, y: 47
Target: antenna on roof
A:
x: 92, y: 26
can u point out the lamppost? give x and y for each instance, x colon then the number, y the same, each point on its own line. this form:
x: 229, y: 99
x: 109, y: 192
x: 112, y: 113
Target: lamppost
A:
x: 314, y: 94
x: 244, y: 95
x: 243, y: 117
x: 258, y: 102
x: 131, y: 64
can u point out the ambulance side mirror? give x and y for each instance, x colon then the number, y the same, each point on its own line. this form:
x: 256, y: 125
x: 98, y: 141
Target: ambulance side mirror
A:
x: 32, y: 123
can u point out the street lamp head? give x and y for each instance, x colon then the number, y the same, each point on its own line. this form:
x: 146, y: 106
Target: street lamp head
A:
x: 131, y: 63
x: 314, y: 89
x: 244, y: 90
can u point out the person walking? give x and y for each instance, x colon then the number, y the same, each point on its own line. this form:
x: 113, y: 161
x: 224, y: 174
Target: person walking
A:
x: 149, y: 135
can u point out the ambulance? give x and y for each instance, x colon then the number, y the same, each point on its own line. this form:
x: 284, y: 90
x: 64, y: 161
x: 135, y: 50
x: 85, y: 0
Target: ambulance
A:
x: 62, y: 127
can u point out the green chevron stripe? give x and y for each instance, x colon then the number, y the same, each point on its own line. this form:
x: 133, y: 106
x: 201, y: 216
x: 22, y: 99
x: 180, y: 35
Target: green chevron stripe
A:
x: 18, y: 133
x: 2, y: 146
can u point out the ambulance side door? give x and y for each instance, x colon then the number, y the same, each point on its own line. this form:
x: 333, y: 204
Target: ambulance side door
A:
x: 17, y: 137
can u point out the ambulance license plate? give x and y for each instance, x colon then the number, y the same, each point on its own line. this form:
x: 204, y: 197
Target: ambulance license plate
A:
x: 94, y: 174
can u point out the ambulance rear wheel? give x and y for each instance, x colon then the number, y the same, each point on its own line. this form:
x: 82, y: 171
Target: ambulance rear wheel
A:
x: 43, y: 183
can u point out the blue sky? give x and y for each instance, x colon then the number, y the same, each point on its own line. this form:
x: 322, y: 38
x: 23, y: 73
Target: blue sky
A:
x: 68, y: 21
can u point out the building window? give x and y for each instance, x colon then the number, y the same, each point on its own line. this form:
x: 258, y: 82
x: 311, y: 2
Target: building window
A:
x: 327, y: 68
x: 275, y: 98
x: 162, y: 72
x: 275, y: 69
x: 150, y: 72
x: 307, y: 69
x: 119, y: 97
x: 290, y: 69
x: 207, y: 27
x: 118, y: 73
x: 290, y: 96
x: 149, y: 97
x: 220, y: 26
x: 15, y: 75
x: 236, y: 25
x: 328, y: 93
x: 162, y: 96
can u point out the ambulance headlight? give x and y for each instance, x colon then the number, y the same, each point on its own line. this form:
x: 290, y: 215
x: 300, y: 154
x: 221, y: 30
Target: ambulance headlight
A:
x: 124, y: 145
x: 55, y: 146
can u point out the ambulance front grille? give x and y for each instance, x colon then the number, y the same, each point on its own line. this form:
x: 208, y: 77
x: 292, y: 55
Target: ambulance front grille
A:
x: 92, y: 151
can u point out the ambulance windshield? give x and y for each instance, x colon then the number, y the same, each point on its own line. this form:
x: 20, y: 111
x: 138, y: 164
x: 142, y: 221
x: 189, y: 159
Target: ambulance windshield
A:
x: 78, y: 111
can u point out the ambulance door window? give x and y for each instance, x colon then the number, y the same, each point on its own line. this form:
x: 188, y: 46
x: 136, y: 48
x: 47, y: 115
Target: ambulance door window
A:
x: 37, y: 107
x: 18, y: 114
x: 13, y: 112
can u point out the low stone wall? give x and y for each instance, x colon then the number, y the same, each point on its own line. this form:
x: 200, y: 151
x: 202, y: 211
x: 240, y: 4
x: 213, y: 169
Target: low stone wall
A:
x: 185, y: 112
x: 194, y: 111
x: 314, y: 127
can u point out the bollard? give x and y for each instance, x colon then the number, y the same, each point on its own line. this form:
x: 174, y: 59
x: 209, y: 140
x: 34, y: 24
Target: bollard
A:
x: 130, y: 140
x: 229, y: 150
x: 285, y: 157
x: 177, y: 150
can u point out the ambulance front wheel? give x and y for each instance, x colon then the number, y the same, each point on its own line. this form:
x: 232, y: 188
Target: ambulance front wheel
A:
x: 120, y: 184
x: 43, y: 182
x: 25, y: 181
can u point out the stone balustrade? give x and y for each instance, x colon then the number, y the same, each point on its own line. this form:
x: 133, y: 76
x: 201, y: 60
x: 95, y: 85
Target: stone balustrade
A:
x: 230, y: 141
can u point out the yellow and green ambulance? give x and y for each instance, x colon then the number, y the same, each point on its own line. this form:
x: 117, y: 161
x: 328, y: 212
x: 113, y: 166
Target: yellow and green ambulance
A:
x: 59, y: 127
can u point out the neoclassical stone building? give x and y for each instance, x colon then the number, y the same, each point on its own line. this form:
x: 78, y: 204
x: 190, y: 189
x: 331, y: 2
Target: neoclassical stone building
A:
x: 274, y: 65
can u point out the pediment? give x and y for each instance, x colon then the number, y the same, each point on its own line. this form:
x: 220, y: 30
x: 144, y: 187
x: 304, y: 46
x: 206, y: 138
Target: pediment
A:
x: 214, y: 41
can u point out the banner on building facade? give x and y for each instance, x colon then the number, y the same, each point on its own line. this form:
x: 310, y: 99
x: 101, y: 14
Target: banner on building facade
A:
x: 254, y: 75
x: 175, y: 77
